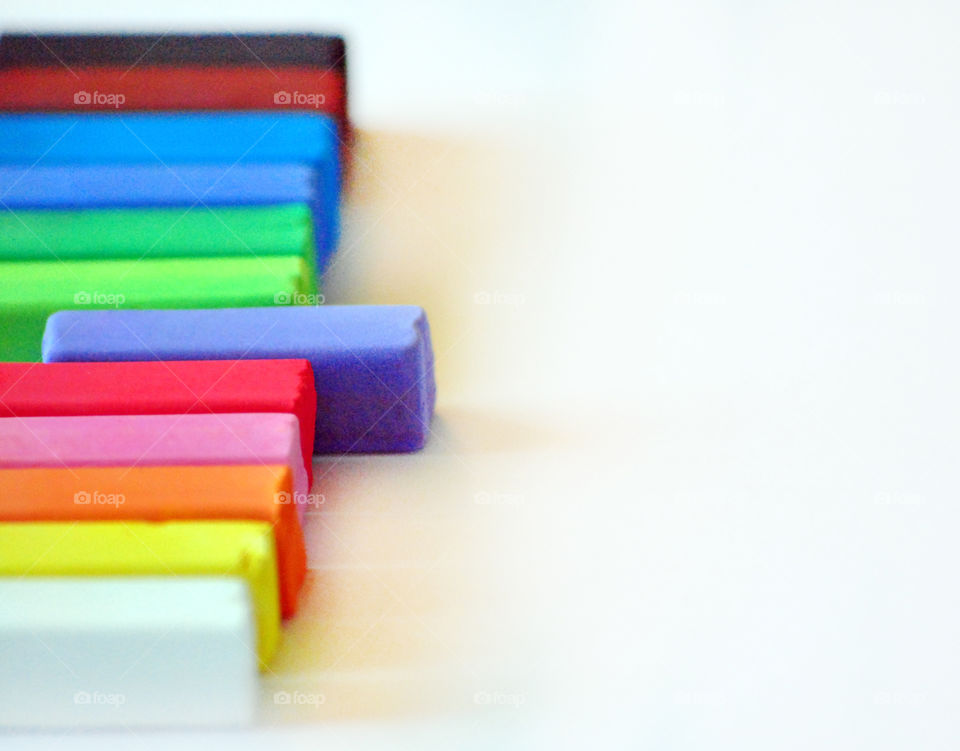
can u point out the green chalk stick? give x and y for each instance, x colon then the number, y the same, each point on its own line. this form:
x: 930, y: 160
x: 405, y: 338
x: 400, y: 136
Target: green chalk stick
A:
x: 198, y: 231
x: 32, y: 290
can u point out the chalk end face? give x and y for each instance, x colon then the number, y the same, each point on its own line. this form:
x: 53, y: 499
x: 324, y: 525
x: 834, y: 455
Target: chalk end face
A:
x: 53, y: 336
x: 290, y: 546
x: 418, y: 356
x: 386, y: 405
x: 428, y: 377
x: 61, y: 342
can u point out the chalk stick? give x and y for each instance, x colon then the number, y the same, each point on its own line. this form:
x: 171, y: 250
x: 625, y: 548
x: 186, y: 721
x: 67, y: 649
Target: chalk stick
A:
x: 170, y: 138
x: 126, y: 652
x: 86, y: 186
x: 326, y: 51
x: 258, y: 492
x: 157, y: 441
x: 372, y: 364
x: 229, y: 549
x: 155, y: 185
x: 163, y: 388
x: 34, y: 289
x: 142, y: 233
x: 177, y: 88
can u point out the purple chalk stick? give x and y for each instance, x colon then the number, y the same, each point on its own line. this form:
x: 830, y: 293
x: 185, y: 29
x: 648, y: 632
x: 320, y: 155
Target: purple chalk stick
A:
x: 373, y: 364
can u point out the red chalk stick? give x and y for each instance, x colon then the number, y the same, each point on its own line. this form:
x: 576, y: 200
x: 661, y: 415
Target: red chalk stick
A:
x: 79, y: 89
x: 163, y: 388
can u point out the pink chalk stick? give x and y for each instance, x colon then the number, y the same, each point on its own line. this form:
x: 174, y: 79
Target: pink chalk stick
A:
x: 156, y: 440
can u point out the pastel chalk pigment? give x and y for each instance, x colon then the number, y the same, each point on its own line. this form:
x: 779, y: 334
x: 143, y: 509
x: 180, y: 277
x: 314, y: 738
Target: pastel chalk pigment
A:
x: 165, y: 232
x: 32, y: 290
x: 251, y: 87
x: 124, y: 651
x: 84, y: 186
x: 171, y: 138
x: 372, y: 364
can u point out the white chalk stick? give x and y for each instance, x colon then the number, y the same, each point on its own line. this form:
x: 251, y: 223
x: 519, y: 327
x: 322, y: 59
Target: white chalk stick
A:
x: 126, y: 652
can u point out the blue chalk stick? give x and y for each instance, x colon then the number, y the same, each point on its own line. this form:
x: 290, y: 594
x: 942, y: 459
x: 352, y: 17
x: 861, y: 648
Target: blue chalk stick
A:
x: 73, y: 187
x: 373, y: 364
x: 138, y: 185
x: 168, y: 138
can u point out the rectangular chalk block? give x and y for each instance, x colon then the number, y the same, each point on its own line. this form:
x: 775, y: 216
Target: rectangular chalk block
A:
x: 171, y: 138
x: 32, y: 290
x: 126, y: 652
x: 101, y: 186
x: 157, y: 441
x: 164, y: 388
x: 372, y: 364
x: 143, y: 234
x: 138, y: 186
x: 173, y: 550
x: 258, y: 492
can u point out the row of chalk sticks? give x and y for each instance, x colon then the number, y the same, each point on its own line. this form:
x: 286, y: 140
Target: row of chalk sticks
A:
x: 162, y: 388
x: 166, y: 171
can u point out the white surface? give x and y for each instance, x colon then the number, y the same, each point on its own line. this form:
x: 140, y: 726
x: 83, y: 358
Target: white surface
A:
x: 693, y: 482
x: 126, y: 652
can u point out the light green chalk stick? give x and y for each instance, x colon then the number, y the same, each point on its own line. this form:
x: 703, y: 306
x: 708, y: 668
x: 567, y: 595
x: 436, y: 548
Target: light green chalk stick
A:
x: 32, y: 290
x: 198, y: 231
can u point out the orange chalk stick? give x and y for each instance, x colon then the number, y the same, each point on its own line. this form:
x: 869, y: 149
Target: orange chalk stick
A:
x: 244, y: 492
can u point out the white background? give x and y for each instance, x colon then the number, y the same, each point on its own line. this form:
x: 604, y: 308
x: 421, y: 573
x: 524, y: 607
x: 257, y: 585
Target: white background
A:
x: 692, y: 483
